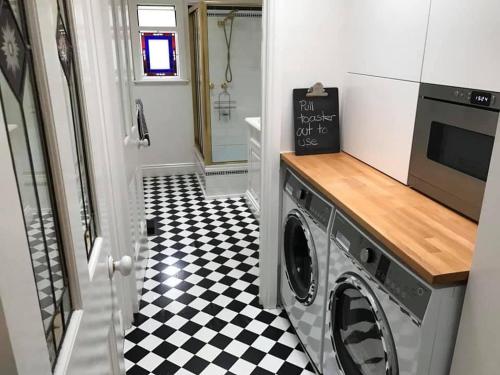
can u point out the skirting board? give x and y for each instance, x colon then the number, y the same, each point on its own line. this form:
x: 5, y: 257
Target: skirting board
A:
x: 158, y: 170
x: 253, y: 205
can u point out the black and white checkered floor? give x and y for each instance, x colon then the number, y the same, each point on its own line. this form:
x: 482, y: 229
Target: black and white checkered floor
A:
x: 199, y: 312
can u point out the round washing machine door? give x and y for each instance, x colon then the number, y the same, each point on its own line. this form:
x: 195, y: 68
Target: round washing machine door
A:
x: 301, y: 262
x: 360, y: 334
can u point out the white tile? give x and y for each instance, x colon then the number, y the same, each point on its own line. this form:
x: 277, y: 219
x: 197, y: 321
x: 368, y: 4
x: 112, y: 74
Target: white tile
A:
x: 150, y: 342
x: 271, y: 363
x: 150, y: 361
x: 242, y: 367
x: 180, y: 357
x: 209, y: 352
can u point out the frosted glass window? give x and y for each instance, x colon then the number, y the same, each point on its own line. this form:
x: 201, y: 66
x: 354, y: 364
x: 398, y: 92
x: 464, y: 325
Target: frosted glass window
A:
x: 156, y: 16
x: 159, y: 57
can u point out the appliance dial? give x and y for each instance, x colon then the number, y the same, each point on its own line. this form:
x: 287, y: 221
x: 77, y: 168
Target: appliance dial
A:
x: 302, y: 194
x: 367, y: 255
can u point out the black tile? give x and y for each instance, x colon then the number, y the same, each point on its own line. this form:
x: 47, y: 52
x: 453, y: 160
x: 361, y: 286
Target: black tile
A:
x: 220, y: 341
x: 165, y: 349
x: 196, y: 365
x: 136, y: 335
x: 253, y: 355
x: 225, y: 360
x: 247, y: 337
x: 136, y: 353
x: 193, y: 345
x: 272, y: 333
x: 280, y: 351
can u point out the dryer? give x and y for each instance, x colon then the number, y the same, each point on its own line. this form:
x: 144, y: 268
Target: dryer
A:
x: 382, y: 318
x: 304, y: 263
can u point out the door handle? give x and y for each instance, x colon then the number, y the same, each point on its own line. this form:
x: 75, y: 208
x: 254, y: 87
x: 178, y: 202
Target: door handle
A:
x: 143, y: 143
x: 124, y: 265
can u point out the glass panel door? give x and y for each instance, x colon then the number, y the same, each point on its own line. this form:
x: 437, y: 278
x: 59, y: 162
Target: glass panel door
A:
x: 29, y: 153
x: 78, y: 129
x: 300, y: 259
x: 359, y: 330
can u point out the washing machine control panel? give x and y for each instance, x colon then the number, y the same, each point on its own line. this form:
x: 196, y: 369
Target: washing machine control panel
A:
x: 317, y: 207
x: 398, y: 280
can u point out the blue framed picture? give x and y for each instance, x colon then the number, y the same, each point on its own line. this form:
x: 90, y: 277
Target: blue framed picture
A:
x: 159, y: 54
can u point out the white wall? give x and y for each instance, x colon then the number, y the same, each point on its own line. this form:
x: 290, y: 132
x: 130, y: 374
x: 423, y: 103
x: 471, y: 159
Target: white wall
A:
x: 169, y: 114
x: 168, y: 108
x: 308, y: 52
x: 301, y: 47
x: 477, y: 346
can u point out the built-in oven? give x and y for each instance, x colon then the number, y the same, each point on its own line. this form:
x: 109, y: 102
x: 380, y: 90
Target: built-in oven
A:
x: 452, y: 145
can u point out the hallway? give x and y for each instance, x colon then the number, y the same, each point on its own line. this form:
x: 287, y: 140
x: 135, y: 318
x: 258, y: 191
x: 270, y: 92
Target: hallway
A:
x: 199, y: 312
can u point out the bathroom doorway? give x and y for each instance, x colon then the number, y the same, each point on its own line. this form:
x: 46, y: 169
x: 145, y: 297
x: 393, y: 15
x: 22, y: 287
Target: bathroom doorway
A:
x: 225, y: 42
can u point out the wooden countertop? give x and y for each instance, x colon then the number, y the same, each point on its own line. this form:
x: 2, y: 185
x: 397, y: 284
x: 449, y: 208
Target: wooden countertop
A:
x: 434, y: 241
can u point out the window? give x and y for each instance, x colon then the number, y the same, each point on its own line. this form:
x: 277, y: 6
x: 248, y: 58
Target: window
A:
x: 159, y: 54
x: 157, y: 39
x: 156, y: 16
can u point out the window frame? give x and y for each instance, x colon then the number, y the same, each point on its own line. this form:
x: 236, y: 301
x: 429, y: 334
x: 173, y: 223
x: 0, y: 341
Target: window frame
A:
x: 179, y: 30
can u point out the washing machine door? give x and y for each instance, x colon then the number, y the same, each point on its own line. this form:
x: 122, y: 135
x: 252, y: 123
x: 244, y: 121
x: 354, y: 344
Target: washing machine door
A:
x: 301, y: 262
x: 360, y: 334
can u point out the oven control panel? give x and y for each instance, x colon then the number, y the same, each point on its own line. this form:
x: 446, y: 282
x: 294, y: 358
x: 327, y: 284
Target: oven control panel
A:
x: 460, y: 95
x: 399, y: 281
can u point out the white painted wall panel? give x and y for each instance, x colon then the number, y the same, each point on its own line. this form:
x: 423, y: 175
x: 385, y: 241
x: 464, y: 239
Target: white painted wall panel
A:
x: 463, y: 44
x: 169, y: 114
x: 386, y: 38
x: 307, y: 51
x: 477, y: 346
x: 378, y: 122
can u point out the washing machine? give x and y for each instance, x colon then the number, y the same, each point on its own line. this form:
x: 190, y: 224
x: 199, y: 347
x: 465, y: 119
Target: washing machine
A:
x: 304, y: 263
x: 382, y: 318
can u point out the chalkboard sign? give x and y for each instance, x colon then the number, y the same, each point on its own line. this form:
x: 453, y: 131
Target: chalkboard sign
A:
x: 316, y: 120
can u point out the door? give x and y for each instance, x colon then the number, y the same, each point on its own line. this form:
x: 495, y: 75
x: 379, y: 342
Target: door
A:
x: 112, y: 30
x: 301, y: 263
x: 359, y: 331
x: 132, y: 142
x: 62, y: 314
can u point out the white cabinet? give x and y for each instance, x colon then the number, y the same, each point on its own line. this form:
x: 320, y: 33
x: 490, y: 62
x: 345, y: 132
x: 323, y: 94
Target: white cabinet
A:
x: 463, y: 44
x: 253, y: 189
x: 377, y: 122
x: 385, y: 38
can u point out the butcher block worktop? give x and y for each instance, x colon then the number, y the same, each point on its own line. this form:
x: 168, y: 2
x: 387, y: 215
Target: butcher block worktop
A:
x: 434, y: 241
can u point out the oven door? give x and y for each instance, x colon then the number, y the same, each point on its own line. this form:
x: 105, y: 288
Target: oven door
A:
x: 451, y: 153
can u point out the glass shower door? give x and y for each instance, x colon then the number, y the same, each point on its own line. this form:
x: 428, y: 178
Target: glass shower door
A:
x: 234, y: 40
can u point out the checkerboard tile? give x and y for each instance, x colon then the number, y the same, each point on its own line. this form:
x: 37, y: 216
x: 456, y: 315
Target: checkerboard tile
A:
x: 41, y: 261
x: 199, y: 312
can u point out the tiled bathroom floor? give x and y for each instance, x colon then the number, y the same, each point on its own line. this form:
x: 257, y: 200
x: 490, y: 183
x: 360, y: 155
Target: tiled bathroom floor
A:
x: 199, y: 312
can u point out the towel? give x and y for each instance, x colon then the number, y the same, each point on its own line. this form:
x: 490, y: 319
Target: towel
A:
x: 141, y: 122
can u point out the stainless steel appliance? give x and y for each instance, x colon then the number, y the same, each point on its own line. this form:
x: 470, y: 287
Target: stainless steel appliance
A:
x: 452, y: 144
x: 304, y: 263
x: 382, y: 318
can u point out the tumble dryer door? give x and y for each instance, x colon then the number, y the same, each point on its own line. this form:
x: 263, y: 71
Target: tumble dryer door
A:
x: 360, y: 334
x: 300, y: 257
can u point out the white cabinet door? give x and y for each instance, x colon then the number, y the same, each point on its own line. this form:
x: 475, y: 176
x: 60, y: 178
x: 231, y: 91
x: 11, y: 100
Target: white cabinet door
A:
x: 377, y: 122
x: 386, y: 38
x: 463, y: 44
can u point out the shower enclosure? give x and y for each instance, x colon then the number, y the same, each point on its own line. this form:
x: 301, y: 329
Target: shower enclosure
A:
x: 225, y: 42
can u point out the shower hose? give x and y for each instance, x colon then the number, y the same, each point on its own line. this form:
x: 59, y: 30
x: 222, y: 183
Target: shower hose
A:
x: 229, y: 71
